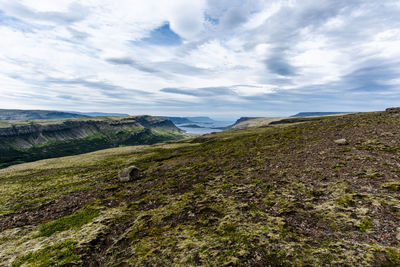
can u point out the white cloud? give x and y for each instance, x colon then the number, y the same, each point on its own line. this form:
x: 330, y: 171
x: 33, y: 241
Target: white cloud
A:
x: 255, y: 47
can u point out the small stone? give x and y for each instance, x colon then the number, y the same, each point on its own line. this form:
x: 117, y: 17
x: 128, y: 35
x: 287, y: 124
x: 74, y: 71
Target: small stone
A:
x: 129, y: 174
x: 398, y: 235
x: 342, y: 141
x: 386, y: 134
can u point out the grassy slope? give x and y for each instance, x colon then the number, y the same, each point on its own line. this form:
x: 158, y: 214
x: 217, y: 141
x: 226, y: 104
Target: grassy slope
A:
x: 68, y: 142
x: 258, y: 122
x: 279, y: 195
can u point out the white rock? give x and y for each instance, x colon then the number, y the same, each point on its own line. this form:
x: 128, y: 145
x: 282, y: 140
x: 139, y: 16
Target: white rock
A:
x: 342, y: 141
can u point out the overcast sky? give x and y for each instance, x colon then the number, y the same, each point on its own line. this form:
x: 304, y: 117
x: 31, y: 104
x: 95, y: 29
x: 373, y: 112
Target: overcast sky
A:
x: 222, y: 58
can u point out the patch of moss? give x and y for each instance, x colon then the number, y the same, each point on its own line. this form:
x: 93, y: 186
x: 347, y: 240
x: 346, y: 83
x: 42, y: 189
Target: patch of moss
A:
x: 57, y: 255
x: 346, y: 201
x: 68, y: 222
x: 369, y: 173
x: 393, y: 185
x: 393, y: 257
x: 365, y: 225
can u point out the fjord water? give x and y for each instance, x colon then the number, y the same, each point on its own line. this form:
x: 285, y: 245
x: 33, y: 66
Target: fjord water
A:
x: 205, y: 127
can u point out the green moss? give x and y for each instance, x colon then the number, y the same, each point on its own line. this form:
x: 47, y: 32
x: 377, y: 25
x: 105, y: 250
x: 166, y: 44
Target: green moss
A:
x: 228, y: 228
x: 393, y: 185
x: 365, y: 225
x: 346, y: 201
x: 369, y: 173
x: 68, y: 222
x: 393, y: 256
x: 57, y: 255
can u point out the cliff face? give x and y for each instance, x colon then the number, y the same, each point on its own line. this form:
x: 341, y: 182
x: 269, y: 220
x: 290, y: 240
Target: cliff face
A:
x: 246, y: 122
x: 18, y: 114
x: 20, y: 143
x: 242, y: 119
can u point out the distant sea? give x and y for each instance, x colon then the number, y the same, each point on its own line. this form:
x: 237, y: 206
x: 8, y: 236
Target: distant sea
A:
x: 206, y: 127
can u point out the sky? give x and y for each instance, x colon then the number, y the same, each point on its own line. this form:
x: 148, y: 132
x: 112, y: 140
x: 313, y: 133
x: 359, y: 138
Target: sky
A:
x: 220, y: 58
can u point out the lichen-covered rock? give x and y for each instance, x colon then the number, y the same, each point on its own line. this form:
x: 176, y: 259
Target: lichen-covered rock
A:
x: 129, y: 174
x: 342, y: 141
x: 393, y: 110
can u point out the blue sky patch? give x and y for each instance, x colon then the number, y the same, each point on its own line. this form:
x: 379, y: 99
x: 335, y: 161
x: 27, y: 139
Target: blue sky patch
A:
x: 210, y: 19
x: 163, y: 36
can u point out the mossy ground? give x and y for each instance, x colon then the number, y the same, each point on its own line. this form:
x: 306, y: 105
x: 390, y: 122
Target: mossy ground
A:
x: 279, y: 196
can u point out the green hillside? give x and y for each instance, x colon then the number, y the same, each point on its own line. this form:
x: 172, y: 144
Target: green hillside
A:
x: 25, y: 141
x: 282, y: 195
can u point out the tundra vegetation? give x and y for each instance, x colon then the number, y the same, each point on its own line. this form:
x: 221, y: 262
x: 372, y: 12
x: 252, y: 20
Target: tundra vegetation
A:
x: 277, y: 195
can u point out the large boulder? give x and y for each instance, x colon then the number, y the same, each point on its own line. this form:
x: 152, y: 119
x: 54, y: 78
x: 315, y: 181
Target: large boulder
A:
x: 129, y: 174
x: 393, y: 110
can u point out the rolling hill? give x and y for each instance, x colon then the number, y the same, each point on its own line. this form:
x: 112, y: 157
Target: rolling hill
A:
x: 282, y: 195
x: 310, y: 114
x: 18, y: 114
x: 247, y: 122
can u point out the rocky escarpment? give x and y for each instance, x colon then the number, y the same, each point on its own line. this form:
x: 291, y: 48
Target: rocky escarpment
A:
x: 242, y: 119
x: 312, y: 114
x: 18, y: 114
x: 20, y: 143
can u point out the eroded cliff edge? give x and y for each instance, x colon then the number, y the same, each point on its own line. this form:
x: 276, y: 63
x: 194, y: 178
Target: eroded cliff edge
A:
x: 22, y: 142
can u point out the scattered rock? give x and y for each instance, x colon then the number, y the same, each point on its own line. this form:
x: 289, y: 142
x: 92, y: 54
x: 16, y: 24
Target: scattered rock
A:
x: 191, y: 214
x: 386, y: 134
x: 393, y: 110
x: 398, y: 234
x: 342, y: 141
x: 129, y: 174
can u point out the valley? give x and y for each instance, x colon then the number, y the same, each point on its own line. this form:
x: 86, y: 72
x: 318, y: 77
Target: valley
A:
x: 24, y: 141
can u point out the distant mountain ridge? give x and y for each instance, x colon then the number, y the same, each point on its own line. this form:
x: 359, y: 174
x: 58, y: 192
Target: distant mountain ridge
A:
x: 178, y: 120
x: 310, y: 114
x: 202, y: 119
x: 19, y: 114
x: 99, y: 114
x: 184, y: 120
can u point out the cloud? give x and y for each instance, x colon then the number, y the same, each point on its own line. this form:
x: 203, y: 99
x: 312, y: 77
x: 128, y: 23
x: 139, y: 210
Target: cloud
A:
x: 201, y: 92
x: 130, y: 62
x: 15, y: 23
x: 279, y: 65
x: 162, y: 69
x: 181, y: 68
x: 76, y: 12
x: 238, y: 57
x: 105, y: 87
x: 187, y: 17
